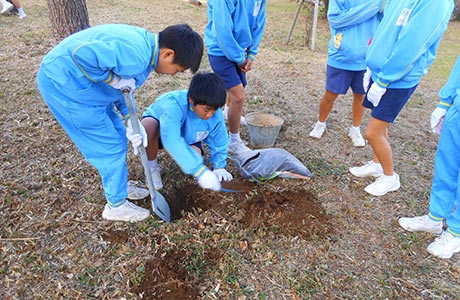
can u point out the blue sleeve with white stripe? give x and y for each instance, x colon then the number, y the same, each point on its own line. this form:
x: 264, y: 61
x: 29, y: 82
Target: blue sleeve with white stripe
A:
x: 258, y: 32
x: 449, y: 90
x: 340, y: 16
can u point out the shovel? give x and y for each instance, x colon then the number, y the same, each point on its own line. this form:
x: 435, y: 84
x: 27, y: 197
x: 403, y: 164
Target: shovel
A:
x: 159, y: 204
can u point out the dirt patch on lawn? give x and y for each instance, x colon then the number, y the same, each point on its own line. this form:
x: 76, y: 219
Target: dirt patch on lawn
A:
x: 293, y: 212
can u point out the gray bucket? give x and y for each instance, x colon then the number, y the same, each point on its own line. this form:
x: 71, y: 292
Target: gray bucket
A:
x: 263, y: 129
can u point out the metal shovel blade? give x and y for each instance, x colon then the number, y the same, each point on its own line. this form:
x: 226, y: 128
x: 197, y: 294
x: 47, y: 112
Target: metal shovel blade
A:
x: 159, y: 204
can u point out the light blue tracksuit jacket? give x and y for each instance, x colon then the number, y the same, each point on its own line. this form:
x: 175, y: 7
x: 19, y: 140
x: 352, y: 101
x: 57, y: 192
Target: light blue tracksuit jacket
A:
x: 405, y: 43
x: 235, y: 28
x: 74, y: 81
x: 352, y: 24
x: 180, y: 127
x: 445, y: 191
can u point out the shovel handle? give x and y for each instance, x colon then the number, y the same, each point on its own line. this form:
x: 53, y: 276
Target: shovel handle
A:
x: 129, y: 97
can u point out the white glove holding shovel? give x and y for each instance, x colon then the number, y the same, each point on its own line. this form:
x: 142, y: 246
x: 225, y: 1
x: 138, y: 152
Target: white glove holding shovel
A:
x: 136, y: 139
x: 209, y: 180
x: 437, y: 118
x: 121, y: 83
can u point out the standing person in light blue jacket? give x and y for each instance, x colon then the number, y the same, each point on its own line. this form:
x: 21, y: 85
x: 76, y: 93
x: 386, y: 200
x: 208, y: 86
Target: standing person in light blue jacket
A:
x: 232, y: 36
x: 445, y: 190
x: 403, y: 48
x: 81, y: 81
x: 353, y: 23
x: 180, y: 121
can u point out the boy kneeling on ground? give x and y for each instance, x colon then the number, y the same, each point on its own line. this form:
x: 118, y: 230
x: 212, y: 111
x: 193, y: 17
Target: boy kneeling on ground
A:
x: 180, y: 121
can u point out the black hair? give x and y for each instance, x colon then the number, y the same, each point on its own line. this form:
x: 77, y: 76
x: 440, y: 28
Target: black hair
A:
x: 208, y: 89
x: 186, y: 43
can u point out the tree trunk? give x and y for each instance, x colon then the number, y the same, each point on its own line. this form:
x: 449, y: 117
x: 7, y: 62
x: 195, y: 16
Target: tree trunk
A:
x: 68, y: 16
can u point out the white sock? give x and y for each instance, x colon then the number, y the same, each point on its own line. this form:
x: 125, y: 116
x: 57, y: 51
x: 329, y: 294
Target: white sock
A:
x: 355, y: 127
x: 321, y: 123
x: 234, y: 137
x: 153, y: 164
x: 390, y: 176
x: 21, y: 11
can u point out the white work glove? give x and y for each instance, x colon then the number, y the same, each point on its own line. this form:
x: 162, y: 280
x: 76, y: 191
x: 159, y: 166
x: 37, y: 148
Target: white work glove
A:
x: 222, y: 174
x: 366, y: 79
x: 136, y: 139
x: 209, y: 180
x: 437, y: 117
x: 375, y: 93
x: 120, y: 83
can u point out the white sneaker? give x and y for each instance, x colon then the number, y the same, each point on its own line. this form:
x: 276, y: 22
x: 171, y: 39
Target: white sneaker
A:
x: 156, y: 177
x: 136, y: 193
x: 22, y: 16
x: 444, y: 246
x: 383, y: 185
x: 6, y: 7
x: 126, y: 212
x: 356, y: 137
x: 242, y: 119
x: 238, y: 147
x: 369, y: 169
x: 318, y: 130
x: 421, y: 223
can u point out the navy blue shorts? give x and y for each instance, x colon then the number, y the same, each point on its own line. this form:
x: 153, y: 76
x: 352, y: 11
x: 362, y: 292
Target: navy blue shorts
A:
x: 391, y: 103
x: 228, y: 70
x: 160, y: 144
x: 338, y: 81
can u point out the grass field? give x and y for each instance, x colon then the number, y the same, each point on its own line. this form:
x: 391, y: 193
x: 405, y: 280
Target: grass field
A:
x: 54, y: 243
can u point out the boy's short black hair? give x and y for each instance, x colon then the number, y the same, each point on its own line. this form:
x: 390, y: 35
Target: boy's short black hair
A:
x: 186, y: 43
x: 208, y: 89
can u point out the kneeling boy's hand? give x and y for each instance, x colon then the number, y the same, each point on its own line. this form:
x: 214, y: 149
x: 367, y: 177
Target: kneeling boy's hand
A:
x: 222, y: 174
x: 209, y: 180
x: 136, y: 139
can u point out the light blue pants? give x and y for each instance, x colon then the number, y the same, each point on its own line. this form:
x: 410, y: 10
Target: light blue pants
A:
x: 98, y: 132
x: 445, y: 191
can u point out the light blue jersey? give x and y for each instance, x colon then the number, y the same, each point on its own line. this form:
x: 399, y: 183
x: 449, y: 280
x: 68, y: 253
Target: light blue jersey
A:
x: 405, y: 43
x: 445, y: 190
x: 352, y: 24
x: 180, y: 127
x: 74, y: 81
x: 235, y: 28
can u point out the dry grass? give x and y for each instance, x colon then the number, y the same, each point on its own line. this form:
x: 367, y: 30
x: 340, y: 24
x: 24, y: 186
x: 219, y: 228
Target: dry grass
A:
x: 52, y: 236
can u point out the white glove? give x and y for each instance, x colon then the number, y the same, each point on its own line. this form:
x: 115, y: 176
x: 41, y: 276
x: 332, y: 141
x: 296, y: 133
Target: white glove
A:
x: 120, y: 83
x: 375, y: 93
x: 209, y: 180
x: 222, y: 174
x: 437, y: 117
x: 136, y: 139
x: 366, y: 79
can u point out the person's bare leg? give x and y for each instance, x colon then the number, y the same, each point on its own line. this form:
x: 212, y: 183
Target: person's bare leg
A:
x: 196, y: 149
x: 326, y: 104
x: 377, y: 135
x: 153, y: 135
x: 17, y: 3
x: 358, y: 109
x: 235, y: 110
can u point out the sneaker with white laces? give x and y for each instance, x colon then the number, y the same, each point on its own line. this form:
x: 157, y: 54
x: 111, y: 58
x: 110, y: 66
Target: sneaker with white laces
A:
x: 383, y: 185
x: 156, y: 177
x: 356, y: 138
x: 318, y: 130
x: 127, y: 212
x: 370, y: 169
x: 136, y: 193
x: 242, y: 119
x: 421, y: 223
x: 238, y: 147
x: 6, y: 7
x: 444, y: 246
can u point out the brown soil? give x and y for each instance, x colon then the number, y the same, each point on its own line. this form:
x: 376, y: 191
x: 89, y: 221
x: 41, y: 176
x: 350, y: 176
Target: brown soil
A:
x: 115, y: 236
x: 265, y: 120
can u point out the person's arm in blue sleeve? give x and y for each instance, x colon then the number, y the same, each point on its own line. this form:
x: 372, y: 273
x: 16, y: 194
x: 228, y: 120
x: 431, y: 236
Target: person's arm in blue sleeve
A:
x: 449, y: 91
x: 100, y: 61
x: 340, y: 17
x: 257, y: 34
x: 424, y: 28
x: 217, y: 142
x: 223, y: 26
x: 170, y: 131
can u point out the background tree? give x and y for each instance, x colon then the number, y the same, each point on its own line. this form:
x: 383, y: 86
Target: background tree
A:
x: 68, y: 17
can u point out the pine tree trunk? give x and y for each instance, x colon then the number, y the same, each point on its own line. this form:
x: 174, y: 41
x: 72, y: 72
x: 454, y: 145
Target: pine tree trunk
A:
x: 68, y: 17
